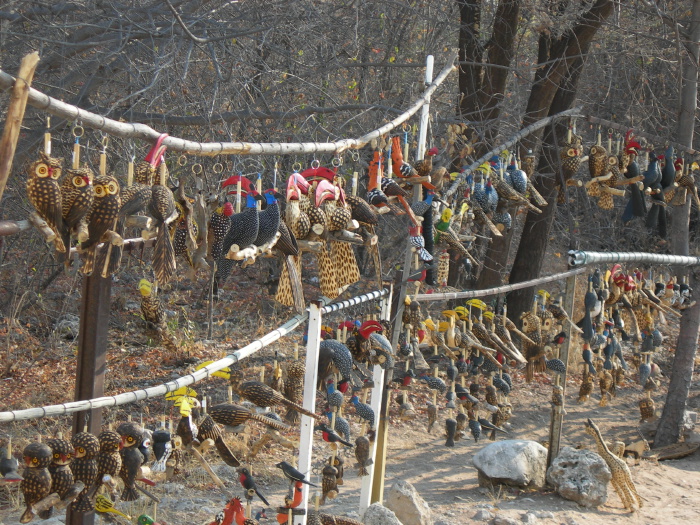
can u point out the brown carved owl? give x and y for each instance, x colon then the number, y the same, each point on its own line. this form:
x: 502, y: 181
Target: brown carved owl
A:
x: 102, y: 217
x: 45, y: 194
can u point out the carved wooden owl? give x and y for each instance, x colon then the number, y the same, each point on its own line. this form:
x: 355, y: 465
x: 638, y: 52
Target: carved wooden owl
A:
x: 77, y: 195
x: 45, y: 194
x: 102, y: 216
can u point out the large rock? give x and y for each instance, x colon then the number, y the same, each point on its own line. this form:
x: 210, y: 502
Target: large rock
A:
x: 378, y: 514
x: 581, y: 476
x: 512, y: 462
x: 408, y: 505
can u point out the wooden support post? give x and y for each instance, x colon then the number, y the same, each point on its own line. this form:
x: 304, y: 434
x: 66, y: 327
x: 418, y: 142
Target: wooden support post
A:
x: 367, y: 482
x: 306, y: 438
x: 555, y: 429
x: 90, y: 374
x: 15, y: 114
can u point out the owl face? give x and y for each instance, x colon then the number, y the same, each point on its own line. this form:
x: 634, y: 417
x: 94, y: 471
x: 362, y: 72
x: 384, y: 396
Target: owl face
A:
x: 85, y: 445
x: 106, y: 186
x: 46, y: 168
x: 37, y: 455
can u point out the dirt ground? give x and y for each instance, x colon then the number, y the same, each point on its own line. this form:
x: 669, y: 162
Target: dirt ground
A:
x: 443, y: 476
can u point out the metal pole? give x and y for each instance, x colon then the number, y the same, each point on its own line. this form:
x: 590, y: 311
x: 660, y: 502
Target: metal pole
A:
x: 425, y: 111
x: 90, y: 374
x: 555, y: 428
x: 306, y: 436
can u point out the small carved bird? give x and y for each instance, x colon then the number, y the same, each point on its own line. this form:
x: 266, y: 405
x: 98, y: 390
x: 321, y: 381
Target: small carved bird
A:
x: 61, y: 475
x: 154, y: 315
x: 362, y: 449
x: 432, y: 416
x: 218, y: 228
x: 364, y: 411
x: 450, y: 431
x: 293, y: 474
x: 232, y: 415
x: 109, y: 461
x: 84, y: 467
x: 105, y: 505
x: 101, y: 219
x: 329, y: 483
x: 36, y: 484
x: 45, y: 194
x: 331, y: 436
x: 248, y: 482
x: 131, y: 435
x: 208, y: 429
x: 264, y: 396
x: 77, y: 195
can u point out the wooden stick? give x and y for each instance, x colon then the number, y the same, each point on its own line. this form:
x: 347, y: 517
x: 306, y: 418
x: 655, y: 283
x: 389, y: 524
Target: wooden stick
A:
x: 40, y: 224
x: 143, y: 132
x: 15, y: 115
x: 206, y: 466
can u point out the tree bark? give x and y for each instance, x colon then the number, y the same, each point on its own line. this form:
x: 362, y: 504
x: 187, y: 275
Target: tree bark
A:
x: 669, y: 429
x: 469, y: 51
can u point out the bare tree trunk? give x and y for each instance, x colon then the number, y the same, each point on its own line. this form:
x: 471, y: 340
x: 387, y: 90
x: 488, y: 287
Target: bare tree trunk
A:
x: 669, y: 429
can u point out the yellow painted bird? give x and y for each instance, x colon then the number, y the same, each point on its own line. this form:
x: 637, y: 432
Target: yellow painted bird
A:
x: 104, y: 504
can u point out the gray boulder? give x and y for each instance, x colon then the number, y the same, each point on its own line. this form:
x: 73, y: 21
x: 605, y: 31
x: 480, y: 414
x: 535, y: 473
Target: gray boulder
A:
x: 581, y: 476
x: 378, y: 514
x: 513, y: 462
x: 409, y: 506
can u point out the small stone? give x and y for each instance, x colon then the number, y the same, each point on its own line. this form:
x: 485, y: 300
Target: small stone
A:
x: 409, y: 506
x: 544, y: 515
x: 482, y: 515
x: 514, y: 462
x: 571, y: 521
x: 503, y: 520
x: 378, y: 514
x: 529, y: 518
x: 486, y: 506
x: 581, y: 476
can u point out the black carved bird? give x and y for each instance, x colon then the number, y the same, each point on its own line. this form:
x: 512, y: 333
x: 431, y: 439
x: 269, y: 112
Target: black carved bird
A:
x: 293, y: 474
x: 131, y: 435
x: 248, y: 483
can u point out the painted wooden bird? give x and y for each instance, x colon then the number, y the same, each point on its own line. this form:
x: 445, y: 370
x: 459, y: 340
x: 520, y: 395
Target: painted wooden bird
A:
x: 109, y: 460
x: 231, y: 415
x: 84, y: 467
x: 101, y: 219
x: 293, y: 474
x: 162, y: 208
x: 219, y: 225
x: 450, y: 431
x: 44, y: 194
x: 294, y: 388
x: 131, y: 434
x: 155, y: 316
x: 243, y: 229
x: 247, y: 481
x: 364, y: 411
x: 331, y: 436
x: 77, y: 195
x: 341, y: 359
x: 209, y: 429
x: 36, y: 482
x: 61, y: 474
x: 264, y: 396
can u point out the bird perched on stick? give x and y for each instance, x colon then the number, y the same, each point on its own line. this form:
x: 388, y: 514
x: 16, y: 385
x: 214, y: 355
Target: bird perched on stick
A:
x: 331, y: 436
x: 293, y: 474
x: 44, y: 193
x: 264, y: 396
x: 248, y: 483
x: 102, y: 218
x: 77, y: 195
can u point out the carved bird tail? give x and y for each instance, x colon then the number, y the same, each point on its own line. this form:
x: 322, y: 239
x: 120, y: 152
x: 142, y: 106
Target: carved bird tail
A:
x: 130, y: 494
x: 163, y: 256
x: 277, y: 425
x: 299, y: 408
x: 225, y: 453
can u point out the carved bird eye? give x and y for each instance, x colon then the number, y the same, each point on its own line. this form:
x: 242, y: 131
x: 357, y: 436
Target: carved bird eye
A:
x: 571, y: 152
x: 100, y: 191
x: 112, y: 188
x: 612, y: 161
x: 80, y: 450
x: 130, y: 439
x: 57, y: 456
x: 78, y: 182
x: 35, y: 460
x: 41, y: 170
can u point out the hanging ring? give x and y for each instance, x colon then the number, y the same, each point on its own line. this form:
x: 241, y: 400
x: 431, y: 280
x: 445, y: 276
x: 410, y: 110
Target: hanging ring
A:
x: 315, y: 164
x: 105, y: 142
x: 355, y: 155
x: 296, y: 167
x: 78, y: 131
x: 182, y: 160
x: 218, y: 168
x: 197, y: 169
x: 337, y: 162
